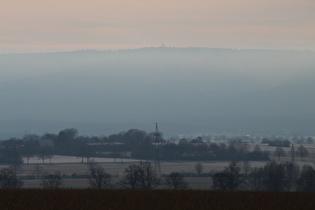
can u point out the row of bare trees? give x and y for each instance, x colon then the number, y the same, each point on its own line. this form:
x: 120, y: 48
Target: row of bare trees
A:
x: 136, y: 176
x: 272, y: 176
x: 10, y: 180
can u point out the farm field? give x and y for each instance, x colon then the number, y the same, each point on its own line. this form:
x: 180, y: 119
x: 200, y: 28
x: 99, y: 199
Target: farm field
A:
x: 68, y: 170
x: 155, y: 199
x: 71, y: 168
x: 117, y: 170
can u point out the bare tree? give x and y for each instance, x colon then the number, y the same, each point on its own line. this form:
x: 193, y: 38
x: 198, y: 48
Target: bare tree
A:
x: 292, y: 171
x: 246, y: 166
x: 255, y: 179
x: 279, y: 152
x: 307, y: 180
x: 37, y: 171
x: 275, y: 177
x: 30, y: 146
x: 52, y: 181
x: 16, y: 167
x: 142, y: 176
x: 44, y: 153
x: 98, y: 178
x: 199, y: 168
x: 302, y: 152
x: 220, y: 181
x: 9, y: 180
x: 132, y: 177
x: 84, y: 152
x: 230, y: 178
x: 176, y: 181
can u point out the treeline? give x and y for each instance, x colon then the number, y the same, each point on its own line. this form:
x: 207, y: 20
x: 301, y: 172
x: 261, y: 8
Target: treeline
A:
x: 133, y: 143
x: 273, y: 176
x: 198, y: 150
x: 136, y: 176
x: 283, y: 142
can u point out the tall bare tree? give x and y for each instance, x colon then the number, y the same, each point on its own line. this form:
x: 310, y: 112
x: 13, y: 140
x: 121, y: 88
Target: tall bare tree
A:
x: 9, y: 180
x: 255, y: 179
x: 292, y: 171
x: 142, y: 176
x: 98, y: 178
x: 230, y: 178
x: 38, y: 171
x: 307, y: 180
x: 246, y: 166
x: 275, y: 176
x: 176, y: 181
x: 52, y: 181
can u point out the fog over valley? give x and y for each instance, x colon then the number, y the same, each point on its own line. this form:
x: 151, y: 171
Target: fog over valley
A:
x: 195, y: 90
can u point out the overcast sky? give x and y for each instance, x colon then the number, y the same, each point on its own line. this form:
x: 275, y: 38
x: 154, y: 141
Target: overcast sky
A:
x: 58, y: 25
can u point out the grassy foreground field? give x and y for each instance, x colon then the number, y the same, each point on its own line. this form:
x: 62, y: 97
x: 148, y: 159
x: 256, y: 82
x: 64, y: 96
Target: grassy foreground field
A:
x: 155, y: 199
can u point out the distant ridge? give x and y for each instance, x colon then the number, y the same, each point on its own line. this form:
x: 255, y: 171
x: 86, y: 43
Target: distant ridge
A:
x: 223, y: 89
x: 160, y: 48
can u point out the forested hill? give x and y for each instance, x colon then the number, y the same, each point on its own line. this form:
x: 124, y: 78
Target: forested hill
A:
x: 222, y: 89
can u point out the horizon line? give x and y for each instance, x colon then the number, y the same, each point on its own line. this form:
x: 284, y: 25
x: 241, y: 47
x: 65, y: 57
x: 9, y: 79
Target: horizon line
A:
x: 154, y: 47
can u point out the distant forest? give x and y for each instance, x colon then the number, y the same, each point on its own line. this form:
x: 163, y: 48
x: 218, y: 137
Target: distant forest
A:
x: 138, y: 144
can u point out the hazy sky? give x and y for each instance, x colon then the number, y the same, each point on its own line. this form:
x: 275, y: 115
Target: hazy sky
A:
x: 46, y: 25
